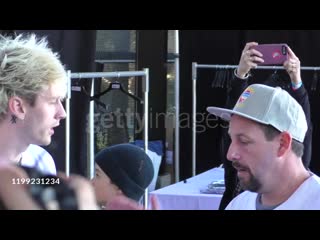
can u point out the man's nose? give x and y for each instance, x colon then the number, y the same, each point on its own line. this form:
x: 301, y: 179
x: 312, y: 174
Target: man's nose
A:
x: 233, y: 154
x: 61, y: 112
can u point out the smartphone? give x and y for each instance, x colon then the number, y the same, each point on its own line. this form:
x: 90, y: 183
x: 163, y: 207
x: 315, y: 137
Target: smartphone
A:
x: 273, y: 54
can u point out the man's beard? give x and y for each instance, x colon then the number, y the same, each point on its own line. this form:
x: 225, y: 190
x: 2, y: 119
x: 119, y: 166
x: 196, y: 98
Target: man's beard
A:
x: 253, y: 184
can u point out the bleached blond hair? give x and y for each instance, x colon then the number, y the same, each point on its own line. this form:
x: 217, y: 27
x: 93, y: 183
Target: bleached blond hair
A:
x: 27, y: 66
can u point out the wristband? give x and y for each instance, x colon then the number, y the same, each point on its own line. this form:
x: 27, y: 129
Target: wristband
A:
x: 245, y: 76
x: 296, y: 86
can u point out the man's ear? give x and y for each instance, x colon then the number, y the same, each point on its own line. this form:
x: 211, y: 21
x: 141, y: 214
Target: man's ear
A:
x: 285, y: 141
x: 17, y: 107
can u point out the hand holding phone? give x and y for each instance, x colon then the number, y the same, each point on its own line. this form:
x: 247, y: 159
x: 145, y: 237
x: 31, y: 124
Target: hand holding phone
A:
x: 273, y: 54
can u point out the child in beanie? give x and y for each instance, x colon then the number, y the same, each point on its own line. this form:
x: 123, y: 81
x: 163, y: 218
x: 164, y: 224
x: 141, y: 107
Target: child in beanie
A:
x: 123, y: 169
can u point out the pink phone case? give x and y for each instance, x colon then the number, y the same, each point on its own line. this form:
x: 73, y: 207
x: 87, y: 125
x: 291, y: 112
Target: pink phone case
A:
x: 273, y: 54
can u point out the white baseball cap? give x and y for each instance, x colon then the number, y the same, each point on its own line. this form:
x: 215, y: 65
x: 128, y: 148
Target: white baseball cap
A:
x: 270, y: 106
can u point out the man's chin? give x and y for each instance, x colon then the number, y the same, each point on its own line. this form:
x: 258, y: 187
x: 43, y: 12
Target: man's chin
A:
x: 44, y: 142
x: 249, y: 186
x: 245, y: 183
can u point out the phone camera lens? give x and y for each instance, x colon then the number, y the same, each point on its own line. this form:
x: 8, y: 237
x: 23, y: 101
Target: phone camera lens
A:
x: 284, y: 50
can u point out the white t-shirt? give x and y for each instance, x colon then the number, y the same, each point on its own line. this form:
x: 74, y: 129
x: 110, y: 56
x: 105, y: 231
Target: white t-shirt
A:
x: 306, y: 197
x: 39, y: 158
x: 156, y: 161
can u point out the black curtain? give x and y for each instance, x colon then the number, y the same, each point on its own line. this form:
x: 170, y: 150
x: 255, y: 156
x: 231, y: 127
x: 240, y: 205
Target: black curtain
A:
x: 77, y: 51
x: 224, y: 47
x: 152, y: 54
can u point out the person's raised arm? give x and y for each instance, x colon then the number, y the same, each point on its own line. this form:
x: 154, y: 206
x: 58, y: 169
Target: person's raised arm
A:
x: 300, y: 94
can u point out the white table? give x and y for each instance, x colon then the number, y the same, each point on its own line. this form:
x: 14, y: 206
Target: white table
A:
x: 187, y: 196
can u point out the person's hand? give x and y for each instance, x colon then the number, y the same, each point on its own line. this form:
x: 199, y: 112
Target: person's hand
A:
x: 249, y: 59
x: 154, y: 203
x: 122, y: 202
x: 292, y: 66
x: 83, y: 189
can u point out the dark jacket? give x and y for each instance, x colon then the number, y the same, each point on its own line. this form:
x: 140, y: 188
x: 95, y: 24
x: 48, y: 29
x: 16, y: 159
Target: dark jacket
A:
x: 230, y: 175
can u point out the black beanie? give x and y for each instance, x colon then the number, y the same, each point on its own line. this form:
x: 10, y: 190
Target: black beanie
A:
x: 128, y: 166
